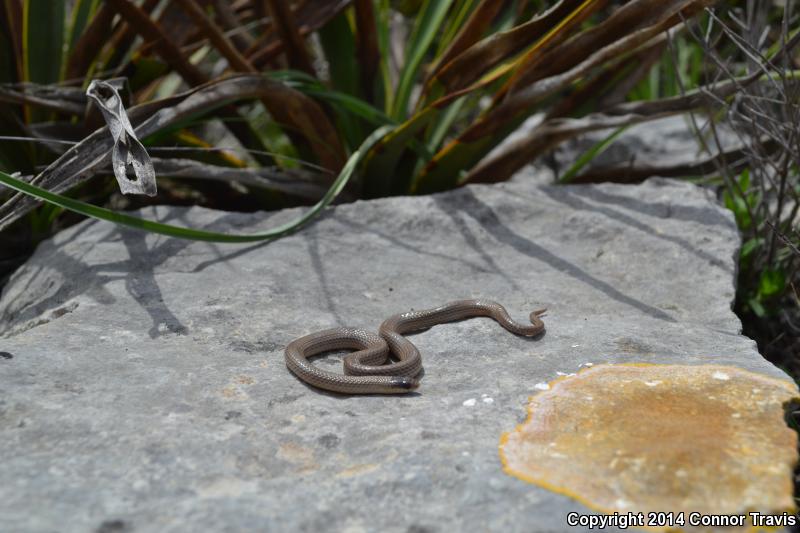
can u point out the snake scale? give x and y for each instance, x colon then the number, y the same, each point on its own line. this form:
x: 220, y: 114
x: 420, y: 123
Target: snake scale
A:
x: 368, y: 370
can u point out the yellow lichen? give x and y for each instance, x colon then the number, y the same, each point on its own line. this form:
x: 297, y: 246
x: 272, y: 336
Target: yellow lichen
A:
x: 660, y: 438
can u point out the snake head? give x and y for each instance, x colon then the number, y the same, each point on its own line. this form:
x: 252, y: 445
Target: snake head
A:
x: 403, y: 383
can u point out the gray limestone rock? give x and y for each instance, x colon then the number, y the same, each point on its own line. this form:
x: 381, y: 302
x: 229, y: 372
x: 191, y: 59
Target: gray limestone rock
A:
x: 144, y: 389
x: 658, y: 144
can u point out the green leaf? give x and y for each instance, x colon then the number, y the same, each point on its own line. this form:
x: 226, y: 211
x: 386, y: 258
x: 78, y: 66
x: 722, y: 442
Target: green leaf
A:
x: 771, y: 283
x: 738, y: 205
x: 744, y: 180
x: 749, y: 247
x: 757, y: 308
x: 727, y: 200
x: 429, y: 20
x: 43, y: 39
x: 590, y: 154
x: 193, y: 234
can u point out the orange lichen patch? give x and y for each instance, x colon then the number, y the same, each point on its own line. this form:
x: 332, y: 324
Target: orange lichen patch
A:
x: 660, y: 438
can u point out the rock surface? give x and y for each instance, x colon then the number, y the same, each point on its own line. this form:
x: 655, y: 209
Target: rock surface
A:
x: 144, y: 389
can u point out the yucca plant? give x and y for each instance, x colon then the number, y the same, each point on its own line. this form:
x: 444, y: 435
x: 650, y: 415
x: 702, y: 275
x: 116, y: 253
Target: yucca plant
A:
x: 314, y: 80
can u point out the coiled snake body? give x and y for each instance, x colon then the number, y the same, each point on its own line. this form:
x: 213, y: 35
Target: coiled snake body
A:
x: 366, y: 370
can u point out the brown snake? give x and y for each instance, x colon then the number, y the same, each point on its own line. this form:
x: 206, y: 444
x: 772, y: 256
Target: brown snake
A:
x: 366, y: 370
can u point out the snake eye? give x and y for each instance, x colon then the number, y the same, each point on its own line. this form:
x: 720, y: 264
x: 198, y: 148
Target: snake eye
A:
x: 404, y: 383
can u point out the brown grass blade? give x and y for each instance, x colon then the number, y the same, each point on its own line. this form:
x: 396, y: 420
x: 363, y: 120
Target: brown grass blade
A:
x: 89, y: 43
x: 522, y: 100
x: 225, y: 47
x: 611, y: 85
x: 299, y: 112
x: 623, y: 21
x: 469, y: 66
x: 283, y: 20
x: 228, y: 19
x: 123, y: 37
x: 552, y: 132
x: 477, y: 24
x: 628, y: 73
x: 13, y: 19
x: 142, y: 24
x: 369, y: 54
x: 311, y: 16
x: 469, y: 147
x: 550, y: 42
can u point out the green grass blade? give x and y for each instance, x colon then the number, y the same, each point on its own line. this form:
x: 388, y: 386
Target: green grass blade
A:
x: 590, y: 154
x: 339, y: 45
x: 383, y: 17
x: 429, y: 20
x: 192, y: 234
x: 43, y: 39
x: 354, y: 106
x: 439, y: 129
x: 346, y: 102
x: 82, y: 12
x: 460, y: 13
